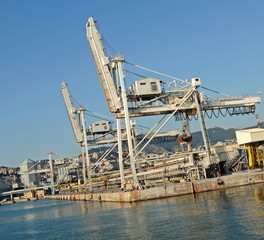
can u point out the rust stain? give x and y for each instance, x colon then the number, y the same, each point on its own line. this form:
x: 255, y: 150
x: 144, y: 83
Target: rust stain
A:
x: 121, y: 197
x: 195, y: 187
x: 136, y: 195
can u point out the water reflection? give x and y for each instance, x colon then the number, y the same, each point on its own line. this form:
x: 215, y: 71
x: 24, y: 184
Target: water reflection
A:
x: 225, y: 214
x: 37, y: 209
x: 136, y: 222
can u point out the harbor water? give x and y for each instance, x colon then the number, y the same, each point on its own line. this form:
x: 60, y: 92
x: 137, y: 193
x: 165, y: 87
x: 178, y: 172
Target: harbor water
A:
x: 235, y: 213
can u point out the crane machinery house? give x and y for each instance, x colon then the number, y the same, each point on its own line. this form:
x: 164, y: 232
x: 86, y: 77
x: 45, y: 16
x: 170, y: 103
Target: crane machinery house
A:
x: 100, y: 127
x: 145, y: 88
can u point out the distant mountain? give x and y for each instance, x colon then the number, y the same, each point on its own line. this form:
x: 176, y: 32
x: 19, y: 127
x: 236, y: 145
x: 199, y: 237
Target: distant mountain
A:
x: 216, y: 134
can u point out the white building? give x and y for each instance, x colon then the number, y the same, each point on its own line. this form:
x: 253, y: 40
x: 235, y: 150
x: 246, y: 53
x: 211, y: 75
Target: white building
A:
x: 28, y: 179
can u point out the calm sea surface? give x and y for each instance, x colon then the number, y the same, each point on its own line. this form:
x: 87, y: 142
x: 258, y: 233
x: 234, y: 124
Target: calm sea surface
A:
x: 236, y: 213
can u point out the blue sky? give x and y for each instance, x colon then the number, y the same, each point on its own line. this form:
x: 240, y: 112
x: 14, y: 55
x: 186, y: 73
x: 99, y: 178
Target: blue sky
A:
x: 43, y: 43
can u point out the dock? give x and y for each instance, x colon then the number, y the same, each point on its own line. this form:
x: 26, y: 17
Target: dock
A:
x: 7, y: 202
x: 167, y: 190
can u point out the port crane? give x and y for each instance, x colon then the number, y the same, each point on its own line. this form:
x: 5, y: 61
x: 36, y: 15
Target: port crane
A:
x: 77, y: 120
x: 102, y: 132
x: 152, y: 96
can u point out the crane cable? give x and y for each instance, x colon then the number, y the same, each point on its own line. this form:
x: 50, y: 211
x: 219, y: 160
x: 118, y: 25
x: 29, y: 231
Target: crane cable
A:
x: 96, y: 117
x: 165, y: 75
x: 108, y: 44
x: 135, y: 74
x: 217, y: 92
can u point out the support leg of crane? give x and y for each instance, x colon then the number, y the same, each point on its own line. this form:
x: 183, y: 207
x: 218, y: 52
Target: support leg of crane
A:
x: 128, y: 127
x: 202, y: 125
x: 118, y: 124
x: 86, y: 148
x: 84, y: 172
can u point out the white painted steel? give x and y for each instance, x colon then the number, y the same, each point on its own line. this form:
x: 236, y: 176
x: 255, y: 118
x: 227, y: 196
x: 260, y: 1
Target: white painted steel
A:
x: 202, y: 125
x: 86, y: 148
x: 128, y: 129
x: 250, y: 135
x: 189, y: 93
x: 71, y: 113
x: 103, y: 69
x: 150, y: 131
x: 84, y: 170
x: 120, y: 154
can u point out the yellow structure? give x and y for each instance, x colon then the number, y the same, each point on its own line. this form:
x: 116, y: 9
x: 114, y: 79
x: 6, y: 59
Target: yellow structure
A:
x: 253, y: 141
x: 255, y: 154
x: 80, y: 182
x: 40, y: 193
x: 29, y: 194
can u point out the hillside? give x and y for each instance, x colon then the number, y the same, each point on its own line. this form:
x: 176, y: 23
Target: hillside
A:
x: 216, y: 134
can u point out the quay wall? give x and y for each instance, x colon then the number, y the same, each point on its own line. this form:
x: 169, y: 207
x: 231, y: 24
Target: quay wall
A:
x: 19, y: 201
x: 168, y: 190
x: 234, y: 180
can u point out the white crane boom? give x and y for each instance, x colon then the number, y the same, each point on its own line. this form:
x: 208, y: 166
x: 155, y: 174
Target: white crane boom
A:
x: 146, y: 102
x: 189, y: 106
x: 71, y: 113
x: 102, y: 66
